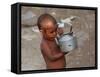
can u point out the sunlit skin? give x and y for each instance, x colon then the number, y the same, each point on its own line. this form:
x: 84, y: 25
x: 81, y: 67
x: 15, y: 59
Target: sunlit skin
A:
x: 53, y: 56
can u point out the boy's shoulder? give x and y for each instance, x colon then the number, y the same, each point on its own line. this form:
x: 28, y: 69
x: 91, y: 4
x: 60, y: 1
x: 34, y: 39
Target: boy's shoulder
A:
x: 44, y: 44
x: 45, y: 47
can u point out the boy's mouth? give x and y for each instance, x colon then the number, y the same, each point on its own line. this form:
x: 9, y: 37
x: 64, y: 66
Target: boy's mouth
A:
x: 52, y: 38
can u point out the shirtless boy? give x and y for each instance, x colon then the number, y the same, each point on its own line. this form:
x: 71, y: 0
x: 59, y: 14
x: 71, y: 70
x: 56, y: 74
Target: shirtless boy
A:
x: 53, y: 56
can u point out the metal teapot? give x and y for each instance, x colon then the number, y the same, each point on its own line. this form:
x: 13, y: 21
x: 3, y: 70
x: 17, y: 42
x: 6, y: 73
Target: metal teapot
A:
x: 67, y: 41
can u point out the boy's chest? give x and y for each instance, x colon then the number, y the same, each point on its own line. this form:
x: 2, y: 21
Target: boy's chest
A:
x: 54, y: 47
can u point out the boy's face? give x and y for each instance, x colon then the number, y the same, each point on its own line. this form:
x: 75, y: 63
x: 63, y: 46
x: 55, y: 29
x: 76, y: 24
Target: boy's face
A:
x: 49, y: 30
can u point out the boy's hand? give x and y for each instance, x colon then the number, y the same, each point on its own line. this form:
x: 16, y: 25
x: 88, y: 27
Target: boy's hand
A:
x: 60, y: 31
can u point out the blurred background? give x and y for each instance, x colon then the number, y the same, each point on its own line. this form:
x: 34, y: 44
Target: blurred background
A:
x: 83, y: 28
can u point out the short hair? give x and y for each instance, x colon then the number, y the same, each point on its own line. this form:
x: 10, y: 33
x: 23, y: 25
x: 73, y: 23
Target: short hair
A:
x: 44, y: 17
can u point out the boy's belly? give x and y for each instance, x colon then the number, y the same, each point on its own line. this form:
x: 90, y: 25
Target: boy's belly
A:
x: 57, y: 64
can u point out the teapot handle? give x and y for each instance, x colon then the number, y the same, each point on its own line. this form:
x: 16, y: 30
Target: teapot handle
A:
x: 71, y: 29
x: 69, y: 33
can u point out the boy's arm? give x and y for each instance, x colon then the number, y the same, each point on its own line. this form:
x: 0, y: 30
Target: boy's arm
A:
x: 46, y: 50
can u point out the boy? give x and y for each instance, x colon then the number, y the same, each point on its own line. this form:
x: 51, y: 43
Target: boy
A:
x: 51, y: 52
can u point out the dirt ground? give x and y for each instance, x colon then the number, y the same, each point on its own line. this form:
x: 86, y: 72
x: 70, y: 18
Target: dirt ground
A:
x: 83, y: 28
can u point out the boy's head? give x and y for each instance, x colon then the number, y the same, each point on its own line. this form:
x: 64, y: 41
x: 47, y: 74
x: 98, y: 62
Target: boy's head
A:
x: 44, y: 18
x: 48, y: 26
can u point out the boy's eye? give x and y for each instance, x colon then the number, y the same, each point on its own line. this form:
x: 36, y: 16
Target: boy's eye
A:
x: 51, y: 32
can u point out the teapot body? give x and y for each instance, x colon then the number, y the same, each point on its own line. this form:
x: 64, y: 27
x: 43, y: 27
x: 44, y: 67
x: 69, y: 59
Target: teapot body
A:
x: 67, y: 42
